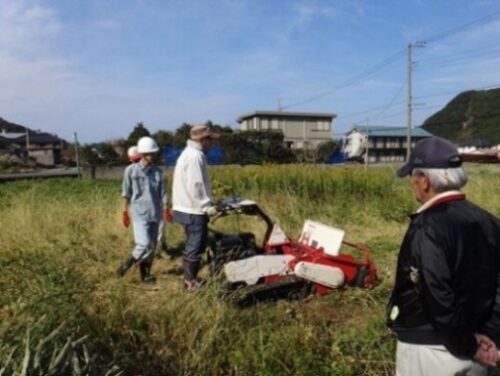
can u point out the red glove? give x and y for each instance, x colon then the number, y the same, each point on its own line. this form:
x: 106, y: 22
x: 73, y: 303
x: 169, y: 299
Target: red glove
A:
x: 125, y: 218
x: 167, y: 216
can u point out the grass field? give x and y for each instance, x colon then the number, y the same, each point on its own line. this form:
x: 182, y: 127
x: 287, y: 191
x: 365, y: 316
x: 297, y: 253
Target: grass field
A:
x: 62, y: 310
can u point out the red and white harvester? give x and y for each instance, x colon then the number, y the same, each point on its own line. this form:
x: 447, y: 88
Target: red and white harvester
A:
x: 318, y: 262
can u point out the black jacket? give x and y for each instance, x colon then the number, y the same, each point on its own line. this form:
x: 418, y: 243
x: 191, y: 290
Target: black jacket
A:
x: 448, y: 277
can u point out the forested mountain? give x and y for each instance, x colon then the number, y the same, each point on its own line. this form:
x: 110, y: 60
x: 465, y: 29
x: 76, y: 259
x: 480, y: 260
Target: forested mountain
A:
x: 472, y: 117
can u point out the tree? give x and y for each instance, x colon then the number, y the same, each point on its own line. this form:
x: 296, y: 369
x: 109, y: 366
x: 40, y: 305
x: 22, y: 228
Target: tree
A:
x: 139, y: 131
x: 164, y: 138
x: 102, y: 153
x: 217, y: 128
x: 181, y: 135
x: 256, y: 147
x: 327, y: 149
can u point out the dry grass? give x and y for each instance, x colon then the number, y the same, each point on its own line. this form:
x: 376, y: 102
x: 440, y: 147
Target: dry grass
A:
x: 61, y: 241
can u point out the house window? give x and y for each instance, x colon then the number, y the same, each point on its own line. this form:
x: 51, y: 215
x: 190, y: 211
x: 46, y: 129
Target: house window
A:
x: 322, y: 125
x: 264, y: 123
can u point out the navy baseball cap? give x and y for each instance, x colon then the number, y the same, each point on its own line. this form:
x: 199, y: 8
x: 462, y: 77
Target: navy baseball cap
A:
x: 432, y: 152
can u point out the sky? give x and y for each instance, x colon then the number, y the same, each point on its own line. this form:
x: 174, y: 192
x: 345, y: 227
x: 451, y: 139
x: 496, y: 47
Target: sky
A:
x: 98, y: 67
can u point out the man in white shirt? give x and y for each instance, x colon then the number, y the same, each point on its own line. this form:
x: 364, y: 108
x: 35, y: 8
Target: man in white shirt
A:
x: 192, y: 200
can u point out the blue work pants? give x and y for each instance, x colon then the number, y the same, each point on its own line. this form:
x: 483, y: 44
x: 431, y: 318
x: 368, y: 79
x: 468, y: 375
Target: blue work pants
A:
x: 145, y: 236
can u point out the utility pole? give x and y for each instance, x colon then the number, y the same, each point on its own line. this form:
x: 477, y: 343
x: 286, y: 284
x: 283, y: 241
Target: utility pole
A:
x: 367, y: 145
x: 410, y: 98
x: 27, y: 142
x: 77, y: 154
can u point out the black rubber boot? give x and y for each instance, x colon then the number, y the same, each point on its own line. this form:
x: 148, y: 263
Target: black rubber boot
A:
x: 190, y: 272
x: 191, y: 269
x: 146, y: 277
x: 125, y: 266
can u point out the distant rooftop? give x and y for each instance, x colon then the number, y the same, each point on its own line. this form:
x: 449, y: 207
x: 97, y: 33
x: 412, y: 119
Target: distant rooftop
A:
x: 17, y: 133
x: 12, y: 136
x: 285, y: 114
x: 384, y: 131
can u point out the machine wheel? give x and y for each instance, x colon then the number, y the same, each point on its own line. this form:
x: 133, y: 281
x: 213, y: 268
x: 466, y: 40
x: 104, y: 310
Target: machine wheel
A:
x: 299, y: 292
x: 360, y: 278
x: 289, y: 288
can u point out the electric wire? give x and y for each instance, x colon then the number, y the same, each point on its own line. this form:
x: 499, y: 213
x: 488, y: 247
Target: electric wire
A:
x: 352, y: 114
x: 464, y: 27
x: 489, y: 87
x: 456, y: 92
x: 356, y: 78
x: 461, y: 53
x: 449, y: 62
x: 386, y: 62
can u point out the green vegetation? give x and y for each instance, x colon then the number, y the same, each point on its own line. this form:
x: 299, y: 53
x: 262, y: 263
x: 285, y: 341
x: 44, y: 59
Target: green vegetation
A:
x: 62, y: 310
x: 242, y: 148
x: 472, y: 116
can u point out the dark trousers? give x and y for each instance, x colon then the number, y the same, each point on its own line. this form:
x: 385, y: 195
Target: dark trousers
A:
x: 196, y: 230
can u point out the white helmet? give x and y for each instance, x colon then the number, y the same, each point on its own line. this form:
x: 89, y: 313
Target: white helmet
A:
x: 147, y: 145
x: 132, y: 151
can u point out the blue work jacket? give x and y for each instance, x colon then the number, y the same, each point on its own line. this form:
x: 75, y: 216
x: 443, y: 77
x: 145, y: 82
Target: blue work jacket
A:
x: 144, y: 187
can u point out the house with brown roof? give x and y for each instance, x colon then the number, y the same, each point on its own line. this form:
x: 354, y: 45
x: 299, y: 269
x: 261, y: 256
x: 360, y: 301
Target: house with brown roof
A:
x: 45, y: 148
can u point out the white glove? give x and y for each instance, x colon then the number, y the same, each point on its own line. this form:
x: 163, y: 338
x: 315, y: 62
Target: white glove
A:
x: 211, y: 211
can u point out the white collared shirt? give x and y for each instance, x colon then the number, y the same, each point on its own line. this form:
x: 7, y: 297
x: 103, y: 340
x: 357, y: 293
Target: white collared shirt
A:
x: 437, y: 197
x: 191, y: 190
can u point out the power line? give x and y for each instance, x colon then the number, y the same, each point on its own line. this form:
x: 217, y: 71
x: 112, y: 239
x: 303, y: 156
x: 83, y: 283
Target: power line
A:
x: 464, y: 27
x: 442, y: 63
x: 384, y: 63
x: 390, y: 104
x: 462, y: 53
x: 353, y: 114
x: 392, y: 100
x: 393, y: 115
x: 489, y: 116
x: 370, y: 71
x: 494, y: 86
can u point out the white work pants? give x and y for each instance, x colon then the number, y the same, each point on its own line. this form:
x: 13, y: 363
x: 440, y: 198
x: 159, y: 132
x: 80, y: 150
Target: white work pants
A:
x: 433, y: 360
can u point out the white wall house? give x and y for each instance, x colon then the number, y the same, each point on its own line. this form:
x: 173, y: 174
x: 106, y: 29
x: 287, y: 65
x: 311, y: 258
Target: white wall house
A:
x: 384, y: 144
x: 300, y: 129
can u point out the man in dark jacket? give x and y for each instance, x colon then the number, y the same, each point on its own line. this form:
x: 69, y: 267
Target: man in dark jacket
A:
x: 445, y: 305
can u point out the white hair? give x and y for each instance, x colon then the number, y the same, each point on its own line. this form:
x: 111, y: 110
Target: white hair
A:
x: 444, y: 179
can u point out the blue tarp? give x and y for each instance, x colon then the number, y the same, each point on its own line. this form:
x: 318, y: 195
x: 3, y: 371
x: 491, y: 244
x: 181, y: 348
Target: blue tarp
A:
x: 215, y: 155
x: 336, y: 158
x: 170, y: 155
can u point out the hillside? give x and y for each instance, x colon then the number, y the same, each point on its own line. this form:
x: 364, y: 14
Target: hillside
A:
x: 470, y: 117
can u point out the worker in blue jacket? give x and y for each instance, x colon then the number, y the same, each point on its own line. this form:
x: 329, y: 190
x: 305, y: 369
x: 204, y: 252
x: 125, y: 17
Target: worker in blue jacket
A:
x: 143, y: 191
